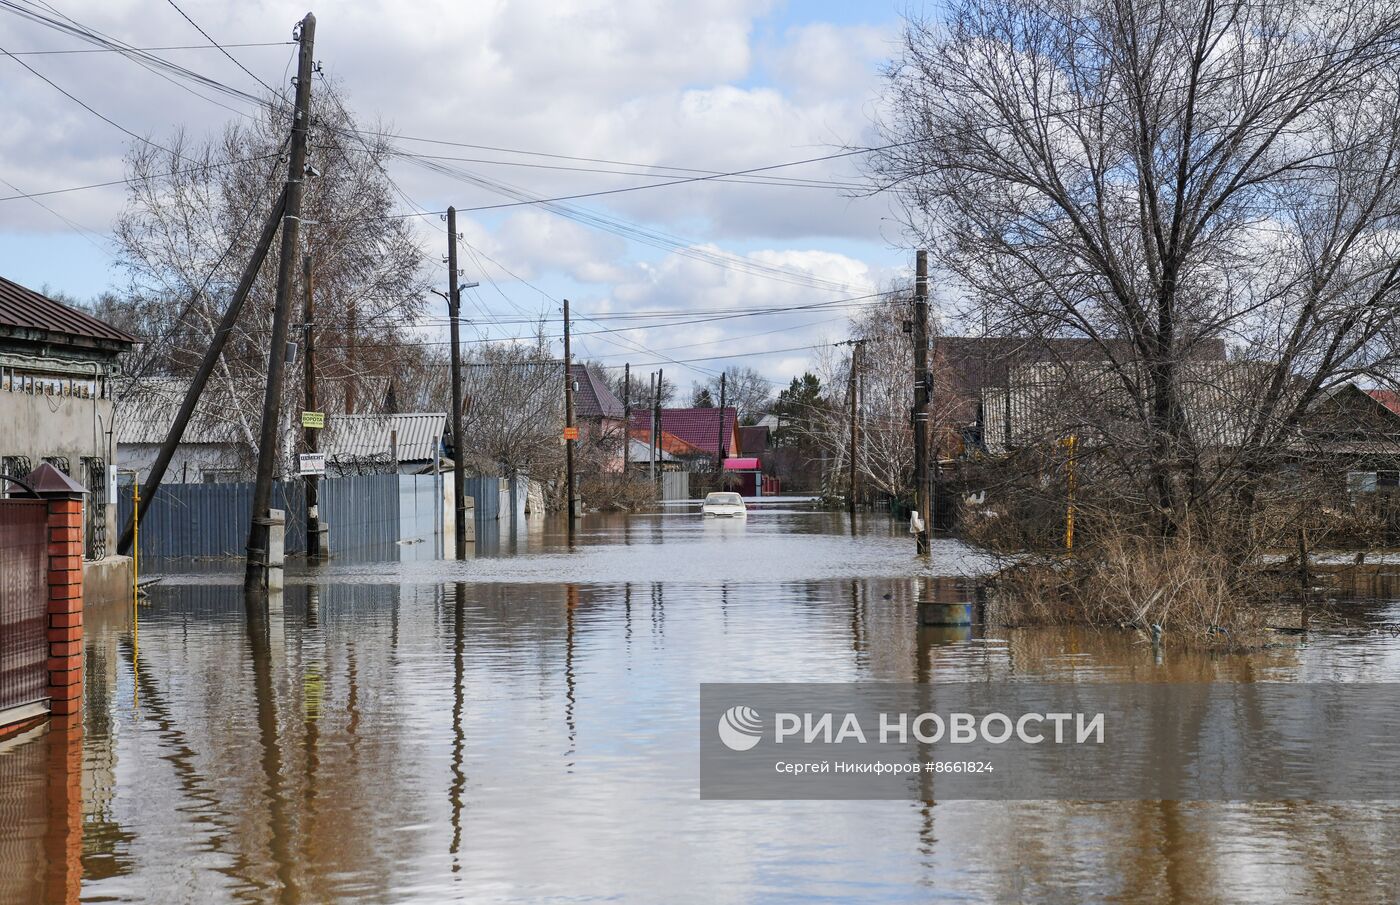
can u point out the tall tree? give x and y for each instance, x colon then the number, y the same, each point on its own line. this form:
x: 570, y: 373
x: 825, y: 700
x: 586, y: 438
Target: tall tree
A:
x: 1157, y: 177
x: 193, y: 212
x: 745, y: 390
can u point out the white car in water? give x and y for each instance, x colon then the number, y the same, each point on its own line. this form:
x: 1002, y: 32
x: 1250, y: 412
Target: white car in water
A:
x: 724, y: 505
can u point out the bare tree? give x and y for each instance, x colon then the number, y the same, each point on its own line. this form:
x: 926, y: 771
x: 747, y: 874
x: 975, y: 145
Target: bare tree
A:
x: 1161, y: 176
x: 884, y: 402
x: 192, y: 217
x: 745, y: 390
x: 641, y: 385
x: 514, y: 410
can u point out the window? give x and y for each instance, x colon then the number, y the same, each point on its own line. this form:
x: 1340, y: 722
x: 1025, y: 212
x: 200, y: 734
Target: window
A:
x: 1361, y: 482
x: 95, y: 535
x: 15, y: 466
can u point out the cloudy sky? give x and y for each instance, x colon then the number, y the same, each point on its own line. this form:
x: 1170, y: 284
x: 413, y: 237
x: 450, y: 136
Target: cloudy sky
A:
x: 706, y: 85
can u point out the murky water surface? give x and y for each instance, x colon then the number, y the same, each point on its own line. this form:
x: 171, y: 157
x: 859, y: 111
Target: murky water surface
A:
x: 522, y: 727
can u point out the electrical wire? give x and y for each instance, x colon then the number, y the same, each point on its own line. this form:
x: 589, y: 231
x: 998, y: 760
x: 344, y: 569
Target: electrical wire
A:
x: 231, y: 57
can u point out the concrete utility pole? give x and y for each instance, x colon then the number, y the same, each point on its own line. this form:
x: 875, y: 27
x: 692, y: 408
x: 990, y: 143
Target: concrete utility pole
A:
x: 570, y: 431
x: 923, y: 493
x: 201, y: 377
x: 255, y: 577
x: 719, y: 445
x: 459, y: 468
x: 315, y: 533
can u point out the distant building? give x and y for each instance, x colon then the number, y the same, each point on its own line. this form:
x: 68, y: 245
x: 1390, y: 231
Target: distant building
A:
x: 218, y: 443
x: 599, y: 415
x: 707, y: 432
x: 976, y: 376
x: 407, y: 443
x: 57, y: 366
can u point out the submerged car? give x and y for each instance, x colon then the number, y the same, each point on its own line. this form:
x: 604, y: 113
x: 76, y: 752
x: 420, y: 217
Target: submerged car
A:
x: 724, y: 505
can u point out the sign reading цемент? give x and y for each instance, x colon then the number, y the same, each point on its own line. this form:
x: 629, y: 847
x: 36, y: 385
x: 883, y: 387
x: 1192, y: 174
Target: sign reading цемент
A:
x: 311, y: 463
x: 1026, y: 741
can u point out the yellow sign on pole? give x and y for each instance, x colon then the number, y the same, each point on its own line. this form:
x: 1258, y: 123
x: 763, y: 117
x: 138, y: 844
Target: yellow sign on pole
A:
x: 570, y: 433
x: 315, y: 420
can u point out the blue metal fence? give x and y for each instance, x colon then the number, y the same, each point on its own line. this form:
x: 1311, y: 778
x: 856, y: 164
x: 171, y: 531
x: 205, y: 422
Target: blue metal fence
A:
x: 363, y: 512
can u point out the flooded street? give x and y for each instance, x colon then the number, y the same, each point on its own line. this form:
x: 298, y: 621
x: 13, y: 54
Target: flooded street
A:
x: 523, y: 727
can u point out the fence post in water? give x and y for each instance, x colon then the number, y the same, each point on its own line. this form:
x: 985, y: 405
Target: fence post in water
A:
x: 1304, y: 579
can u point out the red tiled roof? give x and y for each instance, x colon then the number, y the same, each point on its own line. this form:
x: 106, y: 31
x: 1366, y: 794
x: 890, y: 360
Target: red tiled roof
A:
x: 594, y: 398
x: 1388, y: 398
x: 742, y: 464
x: 699, y: 427
x: 28, y: 315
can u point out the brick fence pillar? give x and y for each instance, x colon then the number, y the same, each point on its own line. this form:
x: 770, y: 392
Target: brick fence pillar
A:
x: 65, y: 615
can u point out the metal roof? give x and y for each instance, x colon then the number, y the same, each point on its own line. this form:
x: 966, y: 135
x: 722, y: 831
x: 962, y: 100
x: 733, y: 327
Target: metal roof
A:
x: 27, y: 315
x: 418, y: 437
x: 146, y: 410
x: 594, y: 398
x: 640, y: 451
x: 700, y: 427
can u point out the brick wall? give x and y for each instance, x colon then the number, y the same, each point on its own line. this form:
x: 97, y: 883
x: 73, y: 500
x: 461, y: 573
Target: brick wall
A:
x: 65, y: 615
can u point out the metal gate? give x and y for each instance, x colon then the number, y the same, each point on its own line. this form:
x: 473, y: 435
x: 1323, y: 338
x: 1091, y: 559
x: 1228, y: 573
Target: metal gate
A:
x: 24, y: 597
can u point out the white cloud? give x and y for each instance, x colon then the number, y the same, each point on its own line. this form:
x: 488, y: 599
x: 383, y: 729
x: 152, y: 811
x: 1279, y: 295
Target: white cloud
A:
x: 685, y: 83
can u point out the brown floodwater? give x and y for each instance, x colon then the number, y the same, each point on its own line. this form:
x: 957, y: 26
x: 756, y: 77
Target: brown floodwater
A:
x: 522, y: 727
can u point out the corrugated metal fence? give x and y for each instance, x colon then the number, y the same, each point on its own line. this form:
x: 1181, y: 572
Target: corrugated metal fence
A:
x: 675, y: 485
x: 486, y: 496
x: 363, y: 512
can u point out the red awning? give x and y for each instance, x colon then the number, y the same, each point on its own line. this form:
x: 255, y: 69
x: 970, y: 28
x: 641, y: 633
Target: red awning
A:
x: 746, y: 464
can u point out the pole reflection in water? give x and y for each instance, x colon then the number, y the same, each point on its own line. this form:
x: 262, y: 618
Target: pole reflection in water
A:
x: 570, y: 691
x: 262, y: 610
x: 457, y: 791
x: 313, y: 658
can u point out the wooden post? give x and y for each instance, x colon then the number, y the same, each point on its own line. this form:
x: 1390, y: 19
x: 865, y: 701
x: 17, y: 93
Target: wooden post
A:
x: 259, y: 530
x: 923, y: 491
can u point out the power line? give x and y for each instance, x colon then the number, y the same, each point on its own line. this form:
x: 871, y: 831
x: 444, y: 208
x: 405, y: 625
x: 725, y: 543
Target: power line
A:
x: 72, y: 50
x: 221, y: 49
x: 80, y: 103
x: 134, y: 179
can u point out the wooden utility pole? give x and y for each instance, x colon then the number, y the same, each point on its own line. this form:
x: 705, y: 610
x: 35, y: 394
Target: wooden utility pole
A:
x: 255, y: 576
x: 311, y: 435
x: 626, y: 417
x: 923, y: 493
x: 570, y: 431
x: 651, y: 434
x: 852, y: 390
x: 201, y: 377
x: 656, y: 431
x: 459, y: 465
x: 719, y: 444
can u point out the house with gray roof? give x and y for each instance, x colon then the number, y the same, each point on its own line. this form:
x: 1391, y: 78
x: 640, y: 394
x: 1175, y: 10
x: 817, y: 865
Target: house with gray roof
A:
x: 57, y: 367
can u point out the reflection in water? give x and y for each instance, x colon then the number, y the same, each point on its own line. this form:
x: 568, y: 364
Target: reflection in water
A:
x: 459, y: 742
x: 440, y: 739
x: 259, y: 622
